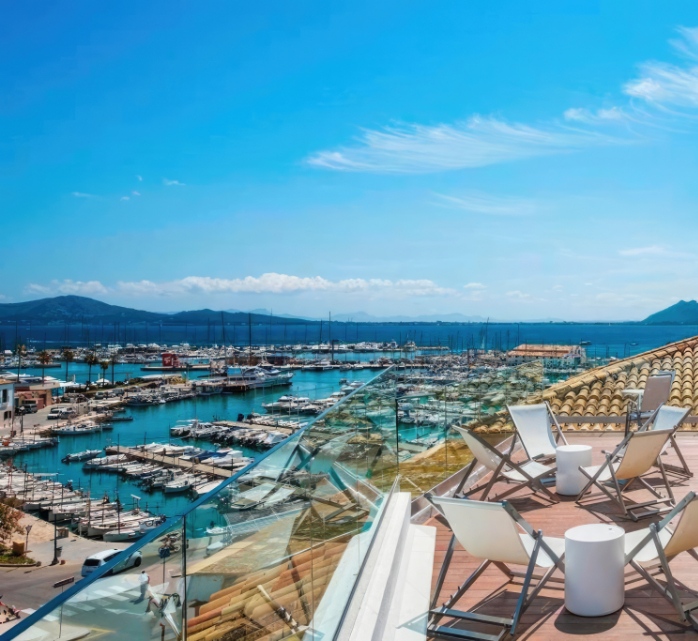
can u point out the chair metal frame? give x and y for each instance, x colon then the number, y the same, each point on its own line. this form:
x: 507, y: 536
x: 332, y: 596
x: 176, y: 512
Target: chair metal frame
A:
x: 623, y: 484
x: 509, y: 624
x: 639, y: 413
x: 661, y: 564
x: 557, y: 434
x: 505, y: 461
x: 682, y: 470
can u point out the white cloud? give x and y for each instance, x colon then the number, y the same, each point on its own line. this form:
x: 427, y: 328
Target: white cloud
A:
x: 139, y: 178
x: 651, y: 250
x: 67, y: 286
x: 135, y: 193
x: 475, y: 286
x: 169, y: 183
x: 480, y: 203
x: 669, y: 85
x: 82, y: 194
x: 598, y: 117
x: 518, y: 295
x: 476, y: 142
x: 273, y: 283
x: 124, y: 198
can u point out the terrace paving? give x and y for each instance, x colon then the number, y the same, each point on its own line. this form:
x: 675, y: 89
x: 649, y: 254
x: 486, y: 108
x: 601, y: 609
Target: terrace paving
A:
x: 645, y: 614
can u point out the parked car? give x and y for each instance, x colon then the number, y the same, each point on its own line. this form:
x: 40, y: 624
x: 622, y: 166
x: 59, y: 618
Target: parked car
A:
x: 54, y: 413
x: 99, y: 559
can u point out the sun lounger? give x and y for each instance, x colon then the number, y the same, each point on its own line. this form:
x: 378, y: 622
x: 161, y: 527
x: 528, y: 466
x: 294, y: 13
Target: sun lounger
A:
x: 634, y: 458
x: 670, y: 418
x: 498, y: 535
x: 651, y: 550
x: 528, y: 474
x: 534, y: 426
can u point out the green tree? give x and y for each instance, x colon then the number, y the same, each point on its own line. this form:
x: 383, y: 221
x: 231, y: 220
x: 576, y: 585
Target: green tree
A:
x: 91, y: 360
x: 68, y: 357
x: 105, y: 366
x: 20, y: 350
x: 9, y: 522
x: 44, y: 359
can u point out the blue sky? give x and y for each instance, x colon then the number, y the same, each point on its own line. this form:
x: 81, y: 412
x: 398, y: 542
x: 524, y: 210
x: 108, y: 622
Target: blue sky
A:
x: 513, y: 160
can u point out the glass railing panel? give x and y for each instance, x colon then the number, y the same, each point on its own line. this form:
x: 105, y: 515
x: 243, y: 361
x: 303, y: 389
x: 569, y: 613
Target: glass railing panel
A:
x: 139, y: 598
x: 273, y: 552
x: 263, y: 552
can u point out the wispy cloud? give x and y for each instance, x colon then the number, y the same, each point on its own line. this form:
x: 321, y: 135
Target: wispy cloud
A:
x: 82, y: 194
x: 668, y: 85
x: 273, y: 283
x: 476, y: 142
x: 651, y: 250
x: 269, y: 283
x: 124, y: 198
x: 78, y: 287
x: 660, y: 89
x: 172, y: 183
x: 475, y: 286
x: 139, y: 178
x: 598, y: 117
x: 519, y: 296
x: 135, y: 193
x: 488, y: 204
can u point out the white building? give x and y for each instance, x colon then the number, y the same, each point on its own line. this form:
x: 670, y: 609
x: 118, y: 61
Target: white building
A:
x: 7, y: 403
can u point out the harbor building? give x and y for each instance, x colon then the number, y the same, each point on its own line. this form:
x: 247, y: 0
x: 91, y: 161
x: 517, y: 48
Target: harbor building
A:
x: 550, y: 355
x: 7, y: 403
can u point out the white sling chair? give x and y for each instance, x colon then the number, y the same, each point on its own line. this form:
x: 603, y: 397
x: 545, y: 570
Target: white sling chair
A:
x: 655, y: 393
x: 670, y: 418
x: 650, y: 551
x: 497, y: 534
x: 534, y: 426
x: 633, y: 458
x: 528, y: 474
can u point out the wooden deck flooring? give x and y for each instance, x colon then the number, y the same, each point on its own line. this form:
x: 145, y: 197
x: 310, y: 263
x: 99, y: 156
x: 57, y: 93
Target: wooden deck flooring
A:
x: 646, y: 614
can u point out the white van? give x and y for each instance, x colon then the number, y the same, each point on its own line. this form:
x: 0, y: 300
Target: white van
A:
x: 96, y: 561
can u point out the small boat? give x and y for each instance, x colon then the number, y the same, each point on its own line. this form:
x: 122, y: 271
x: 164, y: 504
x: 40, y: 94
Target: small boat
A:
x: 81, y: 456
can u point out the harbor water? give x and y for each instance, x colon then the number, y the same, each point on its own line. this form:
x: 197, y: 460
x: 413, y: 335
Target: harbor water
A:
x: 152, y: 424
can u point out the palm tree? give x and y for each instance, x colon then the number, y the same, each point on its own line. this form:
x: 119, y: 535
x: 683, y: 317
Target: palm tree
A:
x: 91, y: 359
x: 105, y: 366
x: 44, y: 359
x: 68, y: 357
x: 20, y: 351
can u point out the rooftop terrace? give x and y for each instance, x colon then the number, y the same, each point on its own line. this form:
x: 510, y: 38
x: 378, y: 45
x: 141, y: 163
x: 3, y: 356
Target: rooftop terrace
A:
x: 645, y: 613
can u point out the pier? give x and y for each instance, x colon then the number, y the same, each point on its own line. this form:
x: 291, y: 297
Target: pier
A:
x: 170, y: 461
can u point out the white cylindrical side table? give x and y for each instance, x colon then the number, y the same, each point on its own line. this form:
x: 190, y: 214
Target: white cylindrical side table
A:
x: 569, y: 480
x: 594, y: 562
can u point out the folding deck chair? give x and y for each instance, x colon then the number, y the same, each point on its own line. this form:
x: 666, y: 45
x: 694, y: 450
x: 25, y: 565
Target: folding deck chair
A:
x: 499, y: 535
x: 633, y: 458
x: 534, y: 426
x: 650, y: 551
x: 670, y: 418
x: 656, y: 393
x: 528, y: 474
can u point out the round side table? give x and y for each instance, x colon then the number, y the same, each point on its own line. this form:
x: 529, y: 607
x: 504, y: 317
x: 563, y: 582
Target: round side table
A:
x: 594, y: 563
x: 569, y: 480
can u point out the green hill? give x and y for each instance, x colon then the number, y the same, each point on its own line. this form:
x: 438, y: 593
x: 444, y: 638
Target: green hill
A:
x: 682, y: 313
x: 82, y: 309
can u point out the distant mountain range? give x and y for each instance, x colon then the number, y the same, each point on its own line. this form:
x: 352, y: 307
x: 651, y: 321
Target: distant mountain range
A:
x: 81, y: 309
x: 685, y: 312
x: 77, y: 309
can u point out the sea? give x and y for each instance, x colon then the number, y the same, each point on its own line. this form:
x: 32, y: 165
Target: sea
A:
x: 153, y: 423
x: 605, y: 339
